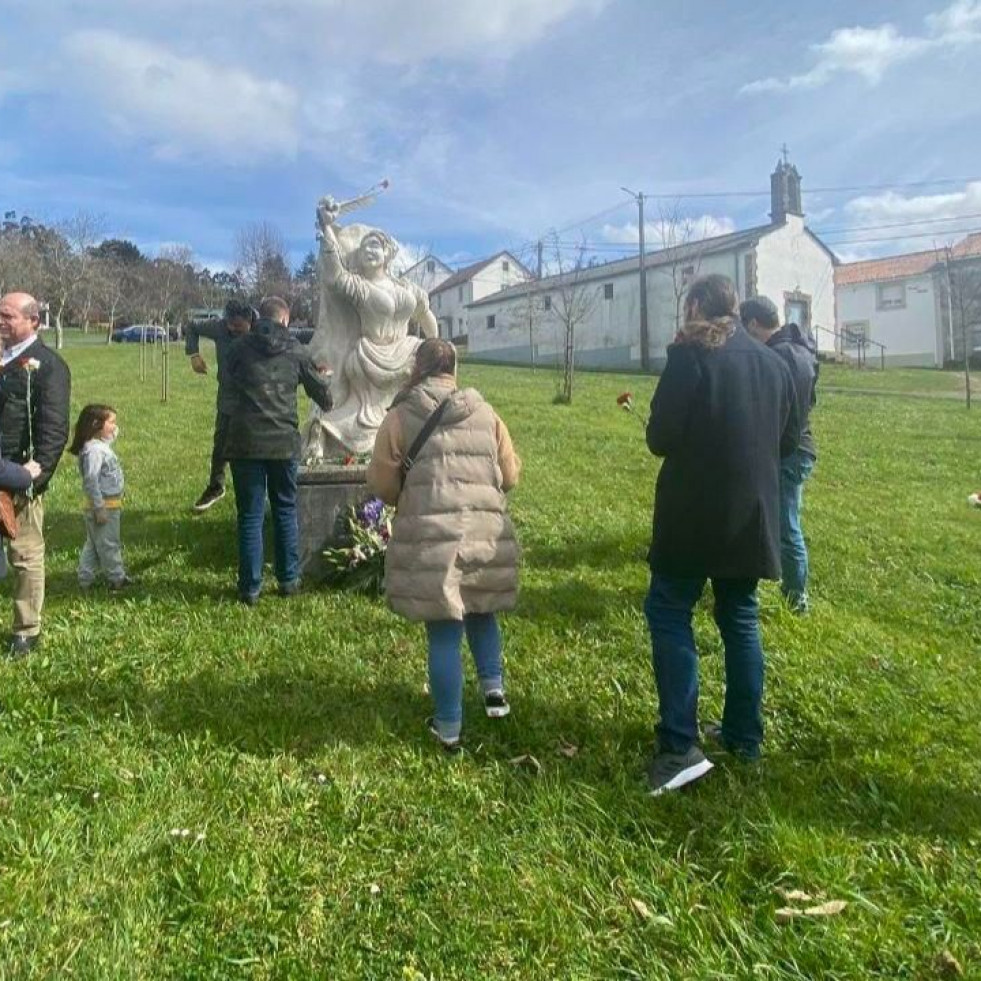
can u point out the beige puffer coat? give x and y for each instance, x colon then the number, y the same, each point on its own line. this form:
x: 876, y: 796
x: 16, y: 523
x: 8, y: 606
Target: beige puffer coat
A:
x: 453, y: 548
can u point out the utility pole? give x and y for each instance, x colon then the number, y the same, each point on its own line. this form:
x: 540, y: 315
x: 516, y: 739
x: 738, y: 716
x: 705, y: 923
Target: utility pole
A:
x: 964, y: 330
x: 539, y: 259
x: 645, y: 347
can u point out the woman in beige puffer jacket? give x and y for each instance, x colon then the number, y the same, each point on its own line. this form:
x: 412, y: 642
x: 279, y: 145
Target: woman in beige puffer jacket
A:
x: 452, y: 561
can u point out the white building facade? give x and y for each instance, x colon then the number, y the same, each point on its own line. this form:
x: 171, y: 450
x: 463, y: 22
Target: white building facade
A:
x: 783, y: 260
x: 450, y: 300
x: 428, y: 273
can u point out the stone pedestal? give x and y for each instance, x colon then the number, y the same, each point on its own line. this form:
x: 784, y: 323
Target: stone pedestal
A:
x: 324, y: 493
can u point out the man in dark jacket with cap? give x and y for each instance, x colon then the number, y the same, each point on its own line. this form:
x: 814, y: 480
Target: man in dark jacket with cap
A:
x: 263, y: 442
x: 238, y: 320
x: 759, y: 317
x: 722, y: 416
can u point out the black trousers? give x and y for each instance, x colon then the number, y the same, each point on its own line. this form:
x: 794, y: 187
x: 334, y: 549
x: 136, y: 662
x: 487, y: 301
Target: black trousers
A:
x: 217, y: 479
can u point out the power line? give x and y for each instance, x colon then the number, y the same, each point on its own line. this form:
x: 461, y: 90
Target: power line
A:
x: 819, y: 190
x: 896, y: 224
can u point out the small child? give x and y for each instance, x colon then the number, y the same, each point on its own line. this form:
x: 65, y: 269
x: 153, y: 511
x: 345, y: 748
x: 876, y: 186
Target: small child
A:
x: 102, y: 481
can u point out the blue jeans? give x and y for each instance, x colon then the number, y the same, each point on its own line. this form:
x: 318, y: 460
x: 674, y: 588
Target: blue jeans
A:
x: 794, y: 470
x: 446, y: 670
x: 669, y: 607
x: 253, y: 480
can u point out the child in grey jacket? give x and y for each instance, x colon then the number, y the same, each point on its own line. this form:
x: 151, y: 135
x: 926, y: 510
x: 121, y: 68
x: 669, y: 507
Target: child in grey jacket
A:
x: 102, y: 481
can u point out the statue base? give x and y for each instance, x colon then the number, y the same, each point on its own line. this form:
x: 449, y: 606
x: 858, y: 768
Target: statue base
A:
x: 324, y: 493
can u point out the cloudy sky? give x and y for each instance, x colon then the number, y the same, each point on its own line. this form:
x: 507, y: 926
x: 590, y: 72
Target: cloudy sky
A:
x: 180, y: 121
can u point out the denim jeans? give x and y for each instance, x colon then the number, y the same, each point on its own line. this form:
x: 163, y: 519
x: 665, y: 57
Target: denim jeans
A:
x: 446, y: 670
x: 794, y: 470
x: 669, y: 607
x: 102, y: 551
x: 253, y: 480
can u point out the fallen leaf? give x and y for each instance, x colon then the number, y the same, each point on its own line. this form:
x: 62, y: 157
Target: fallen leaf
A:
x: 949, y: 965
x: 526, y: 758
x: 566, y: 749
x: 831, y: 908
x: 794, y: 895
x: 786, y: 913
x: 641, y: 908
x: 374, y: 889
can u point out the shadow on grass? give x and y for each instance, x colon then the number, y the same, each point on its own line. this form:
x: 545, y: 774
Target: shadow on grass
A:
x: 301, y: 713
x: 203, y: 543
x: 597, y: 553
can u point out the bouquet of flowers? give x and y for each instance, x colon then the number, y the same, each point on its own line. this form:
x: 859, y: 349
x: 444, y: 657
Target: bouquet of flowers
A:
x: 359, y: 564
x: 626, y: 402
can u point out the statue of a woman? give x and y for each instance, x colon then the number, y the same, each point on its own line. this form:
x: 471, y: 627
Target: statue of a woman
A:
x: 362, y: 333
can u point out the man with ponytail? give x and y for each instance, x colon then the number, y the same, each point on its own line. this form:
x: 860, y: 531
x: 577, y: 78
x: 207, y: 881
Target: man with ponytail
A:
x: 723, y: 415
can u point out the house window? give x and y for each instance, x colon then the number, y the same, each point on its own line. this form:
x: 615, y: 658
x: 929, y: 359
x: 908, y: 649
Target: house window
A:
x: 459, y: 293
x: 607, y: 291
x: 491, y: 324
x: 856, y: 334
x: 687, y: 275
x: 890, y: 296
x: 505, y: 265
x: 430, y: 266
x: 460, y: 324
x: 546, y: 303
x: 439, y: 301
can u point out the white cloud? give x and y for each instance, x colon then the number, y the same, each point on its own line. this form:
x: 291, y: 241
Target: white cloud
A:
x: 664, y: 234
x: 183, y: 106
x: 870, y: 52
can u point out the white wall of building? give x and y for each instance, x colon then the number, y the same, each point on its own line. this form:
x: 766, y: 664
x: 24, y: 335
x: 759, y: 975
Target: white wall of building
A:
x: 610, y: 336
x: 450, y: 305
x: 428, y: 274
x: 788, y: 262
x: 909, y: 331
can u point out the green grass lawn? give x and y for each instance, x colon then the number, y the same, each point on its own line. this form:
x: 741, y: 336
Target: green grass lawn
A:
x: 320, y: 834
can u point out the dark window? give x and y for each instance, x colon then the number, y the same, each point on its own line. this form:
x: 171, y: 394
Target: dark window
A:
x: 490, y: 322
x: 459, y: 293
x: 607, y: 291
x: 546, y: 303
x: 430, y: 266
x: 505, y: 265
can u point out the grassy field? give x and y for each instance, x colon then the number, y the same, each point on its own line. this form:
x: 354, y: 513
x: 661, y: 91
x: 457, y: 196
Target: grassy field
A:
x: 193, y: 789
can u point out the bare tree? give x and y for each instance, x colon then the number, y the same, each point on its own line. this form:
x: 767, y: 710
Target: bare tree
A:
x: 260, y: 258
x: 67, y: 256
x: 112, y: 283
x: 682, y: 236
x: 575, y: 298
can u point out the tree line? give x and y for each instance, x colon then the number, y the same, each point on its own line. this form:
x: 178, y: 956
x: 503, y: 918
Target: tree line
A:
x: 92, y: 282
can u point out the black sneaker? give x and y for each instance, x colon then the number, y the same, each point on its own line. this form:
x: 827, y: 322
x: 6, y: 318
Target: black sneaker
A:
x: 249, y: 599
x: 672, y: 771
x: 448, y: 745
x: 21, y: 645
x: 496, y: 705
x: 288, y: 588
x: 119, y: 585
x: 212, y: 495
x: 712, y: 735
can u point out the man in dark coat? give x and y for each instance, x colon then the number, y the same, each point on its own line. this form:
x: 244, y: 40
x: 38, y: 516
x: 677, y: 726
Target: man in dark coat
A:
x: 759, y: 317
x: 238, y: 320
x: 263, y: 443
x: 722, y: 417
x: 35, y: 391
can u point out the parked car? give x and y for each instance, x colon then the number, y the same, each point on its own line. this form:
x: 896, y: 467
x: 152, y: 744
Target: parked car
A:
x: 133, y: 334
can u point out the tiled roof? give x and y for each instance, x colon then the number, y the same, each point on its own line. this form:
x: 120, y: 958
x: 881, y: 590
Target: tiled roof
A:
x: 903, y: 266
x: 891, y: 267
x: 468, y: 272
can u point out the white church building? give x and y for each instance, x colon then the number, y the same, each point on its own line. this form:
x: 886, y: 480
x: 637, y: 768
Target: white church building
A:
x: 783, y: 260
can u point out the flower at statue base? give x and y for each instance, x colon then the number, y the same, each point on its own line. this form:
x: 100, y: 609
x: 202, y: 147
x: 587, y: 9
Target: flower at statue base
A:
x: 358, y: 564
x: 626, y: 402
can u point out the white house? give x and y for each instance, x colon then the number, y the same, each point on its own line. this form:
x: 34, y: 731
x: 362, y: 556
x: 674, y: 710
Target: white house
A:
x: 450, y: 299
x: 428, y: 273
x: 783, y: 260
x: 900, y: 302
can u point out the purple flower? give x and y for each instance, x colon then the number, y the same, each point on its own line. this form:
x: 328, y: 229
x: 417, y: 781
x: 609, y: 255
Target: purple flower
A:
x: 370, y: 513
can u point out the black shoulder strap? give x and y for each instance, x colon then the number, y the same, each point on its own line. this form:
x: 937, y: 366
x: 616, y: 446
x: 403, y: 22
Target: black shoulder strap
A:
x: 427, y: 430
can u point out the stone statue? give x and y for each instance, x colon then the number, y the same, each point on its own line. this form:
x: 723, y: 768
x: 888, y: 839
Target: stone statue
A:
x: 362, y: 333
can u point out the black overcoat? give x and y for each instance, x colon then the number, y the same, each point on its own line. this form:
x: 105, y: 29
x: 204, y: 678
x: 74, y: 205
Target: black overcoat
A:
x: 722, y: 418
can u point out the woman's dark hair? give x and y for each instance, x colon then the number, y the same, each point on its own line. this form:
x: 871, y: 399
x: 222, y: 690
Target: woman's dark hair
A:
x: 240, y: 310
x: 715, y: 296
x: 90, y: 422
x: 434, y: 356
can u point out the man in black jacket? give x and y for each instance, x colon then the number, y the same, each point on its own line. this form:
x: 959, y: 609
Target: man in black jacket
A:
x: 263, y: 442
x: 35, y: 390
x: 722, y: 416
x: 238, y: 320
x: 760, y: 318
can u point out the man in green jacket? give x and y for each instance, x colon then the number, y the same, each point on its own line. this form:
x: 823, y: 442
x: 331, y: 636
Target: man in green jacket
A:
x: 263, y: 442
